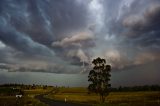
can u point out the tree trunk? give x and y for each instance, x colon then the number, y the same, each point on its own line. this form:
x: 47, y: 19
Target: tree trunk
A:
x: 102, y: 98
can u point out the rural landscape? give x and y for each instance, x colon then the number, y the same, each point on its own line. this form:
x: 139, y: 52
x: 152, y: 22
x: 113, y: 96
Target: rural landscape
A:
x: 78, y: 96
x: 79, y: 53
x: 98, y: 93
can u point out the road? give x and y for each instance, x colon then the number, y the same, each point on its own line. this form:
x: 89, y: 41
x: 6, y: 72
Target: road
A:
x: 51, y: 102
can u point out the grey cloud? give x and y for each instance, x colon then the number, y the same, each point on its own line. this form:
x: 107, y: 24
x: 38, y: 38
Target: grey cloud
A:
x: 5, y: 55
x: 39, y: 23
x: 143, y: 58
x: 67, y: 16
x: 145, y: 22
x: 45, y: 21
x: 21, y: 42
x: 76, y: 47
x: 78, y: 54
x: 71, y: 32
x: 75, y: 40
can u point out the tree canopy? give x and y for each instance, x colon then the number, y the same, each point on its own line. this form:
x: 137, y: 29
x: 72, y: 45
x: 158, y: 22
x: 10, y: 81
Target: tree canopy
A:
x: 99, y: 78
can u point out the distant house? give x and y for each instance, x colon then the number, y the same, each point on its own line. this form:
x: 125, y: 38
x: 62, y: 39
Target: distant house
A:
x: 18, y: 96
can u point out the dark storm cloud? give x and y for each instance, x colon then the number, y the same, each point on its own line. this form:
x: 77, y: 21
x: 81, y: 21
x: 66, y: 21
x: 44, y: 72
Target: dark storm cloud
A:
x: 21, y: 42
x: 145, y: 22
x: 62, y: 35
x: 12, y: 19
x: 144, y: 28
x: 5, y: 55
x: 41, y: 19
x: 76, y: 47
x: 69, y: 16
x: 131, y: 29
x: 30, y: 27
x: 132, y: 15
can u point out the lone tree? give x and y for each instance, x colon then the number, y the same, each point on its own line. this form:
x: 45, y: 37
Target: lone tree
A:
x: 99, y: 77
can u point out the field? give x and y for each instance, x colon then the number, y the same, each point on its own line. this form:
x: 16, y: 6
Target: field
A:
x: 8, y: 98
x: 80, y: 95
x: 24, y: 101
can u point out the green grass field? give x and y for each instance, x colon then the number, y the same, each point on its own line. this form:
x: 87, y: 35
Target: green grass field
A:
x: 80, y: 95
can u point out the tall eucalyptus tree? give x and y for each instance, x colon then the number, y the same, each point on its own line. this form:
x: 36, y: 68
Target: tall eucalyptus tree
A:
x: 99, y: 78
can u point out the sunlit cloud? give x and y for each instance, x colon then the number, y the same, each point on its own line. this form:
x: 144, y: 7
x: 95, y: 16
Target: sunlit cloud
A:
x: 61, y: 36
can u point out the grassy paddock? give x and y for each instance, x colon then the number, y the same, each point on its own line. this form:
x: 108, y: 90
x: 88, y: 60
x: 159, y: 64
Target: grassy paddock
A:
x: 35, y: 91
x: 24, y: 101
x: 8, y: 98
x: 80, y: 95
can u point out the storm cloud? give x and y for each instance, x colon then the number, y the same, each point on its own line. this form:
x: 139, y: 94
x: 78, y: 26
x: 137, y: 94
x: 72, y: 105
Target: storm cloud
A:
x: 63, y: 36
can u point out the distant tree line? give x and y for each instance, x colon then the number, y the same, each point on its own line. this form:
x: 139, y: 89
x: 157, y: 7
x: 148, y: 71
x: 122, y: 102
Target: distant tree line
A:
x: 17, y: 89
x: 136, y: 88
x: 117, y: 89
x: 25, y: 87
x: 9, y: 91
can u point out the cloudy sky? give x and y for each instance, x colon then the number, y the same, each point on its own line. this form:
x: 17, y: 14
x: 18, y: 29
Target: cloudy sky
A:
x: 63, y: 36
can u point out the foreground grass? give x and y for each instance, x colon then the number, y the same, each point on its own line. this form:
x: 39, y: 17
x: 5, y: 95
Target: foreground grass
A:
x: 24, y: 101
x: 80, y: 95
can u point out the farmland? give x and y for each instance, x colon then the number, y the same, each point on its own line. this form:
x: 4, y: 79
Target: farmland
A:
x: 8, y: 98
x: 81, y: 95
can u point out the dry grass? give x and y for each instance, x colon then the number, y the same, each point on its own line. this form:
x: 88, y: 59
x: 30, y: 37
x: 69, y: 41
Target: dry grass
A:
x: 35, y: 91
x: 24, y: 101
x: 27, y: 100
x: 80, y: 95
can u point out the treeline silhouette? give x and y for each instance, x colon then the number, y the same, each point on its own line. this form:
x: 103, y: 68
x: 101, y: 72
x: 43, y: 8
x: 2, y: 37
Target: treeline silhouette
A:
x: 118, y: 89
x: 18, y: 89
x: 24, y: 86
x: 136, y: 88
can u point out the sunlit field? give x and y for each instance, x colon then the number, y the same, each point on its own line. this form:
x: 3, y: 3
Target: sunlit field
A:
x: 78, y: 95
x: 81, y: 95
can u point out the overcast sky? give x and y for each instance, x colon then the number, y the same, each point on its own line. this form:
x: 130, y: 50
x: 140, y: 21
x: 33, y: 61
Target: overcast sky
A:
x: 63, y: 36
